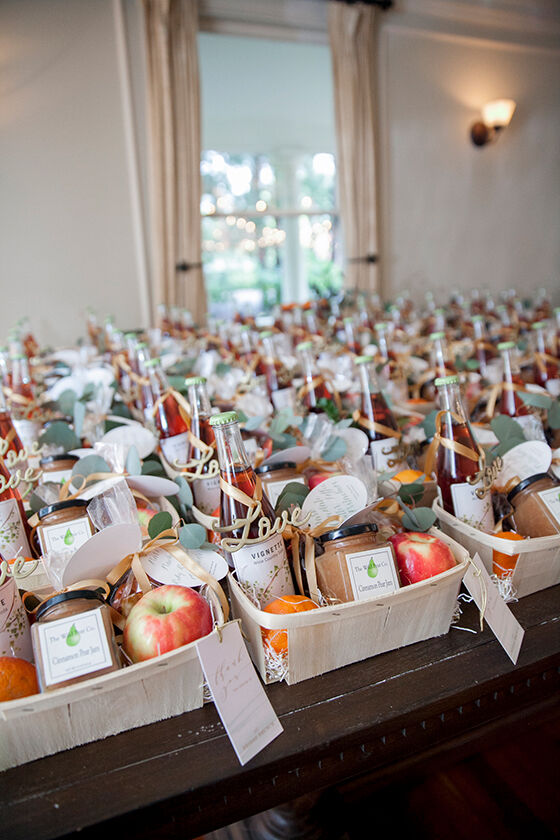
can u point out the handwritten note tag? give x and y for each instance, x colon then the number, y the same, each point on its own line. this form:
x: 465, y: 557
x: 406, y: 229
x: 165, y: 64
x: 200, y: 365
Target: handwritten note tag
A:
x: 248, y: 717
x: 343, y: 495
x: 501, y: 620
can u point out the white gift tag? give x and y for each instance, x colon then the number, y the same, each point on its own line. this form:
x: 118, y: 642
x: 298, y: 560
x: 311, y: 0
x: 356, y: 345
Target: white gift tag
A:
x: 343, y: 495
x: 247, y: 715
x: 501, y: 620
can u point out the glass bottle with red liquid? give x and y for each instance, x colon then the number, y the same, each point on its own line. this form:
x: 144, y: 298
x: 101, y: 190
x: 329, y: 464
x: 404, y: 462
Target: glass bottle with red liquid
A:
x: 350, y: 335
x: 9, y: 434
x: 22, y: 398
x: 278, y: 382
x: 510, y: 402
x: 164, y: 412
x: 482, y: 350
x: 14, y: 528
x: 314, y: 387
x: 206, y: 490
x: 262, y: 567
x: 544, y: 369
x: 375, y: 417
x: 458, y: 459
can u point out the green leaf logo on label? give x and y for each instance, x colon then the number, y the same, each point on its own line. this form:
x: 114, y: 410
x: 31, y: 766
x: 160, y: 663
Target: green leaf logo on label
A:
x: 73, y: 637
x: 68, y: 537
x: 372, y: 569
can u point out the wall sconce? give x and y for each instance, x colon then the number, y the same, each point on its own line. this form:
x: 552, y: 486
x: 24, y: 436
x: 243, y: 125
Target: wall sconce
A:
x: 496, y: 116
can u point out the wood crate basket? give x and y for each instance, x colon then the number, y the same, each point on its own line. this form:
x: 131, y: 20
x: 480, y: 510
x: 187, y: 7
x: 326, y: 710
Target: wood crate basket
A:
x: 57, y: 720
x: 331, y: 637
x: 538, y: 565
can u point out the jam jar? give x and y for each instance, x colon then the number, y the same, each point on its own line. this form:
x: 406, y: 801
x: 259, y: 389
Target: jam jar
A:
x: 57, y: 468
x: 356, y: 564
x: 276, y: 476
x: 536, y: 506
x: 64, y: 526
x: 73, y: 639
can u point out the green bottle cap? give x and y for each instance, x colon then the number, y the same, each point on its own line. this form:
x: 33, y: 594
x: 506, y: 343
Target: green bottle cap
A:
x: 267, y: 334
x: 506, y: 345
x: 362, y: 360
x: 195, y: 380
x: 151, y: 363
x: 224, y: 418
x: 348, y: 320
x: 434, y: 335
x: 446, y: 380
x: 304, y: 345
x: 477, y: 318
x: 381, y: 326
x: 538, y: 325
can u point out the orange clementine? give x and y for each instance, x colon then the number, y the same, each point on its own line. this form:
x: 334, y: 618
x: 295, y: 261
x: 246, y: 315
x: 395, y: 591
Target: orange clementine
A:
x: 408, y: 476
x: 504, y: 564
x: 278, y: 639
x: 18, y: 678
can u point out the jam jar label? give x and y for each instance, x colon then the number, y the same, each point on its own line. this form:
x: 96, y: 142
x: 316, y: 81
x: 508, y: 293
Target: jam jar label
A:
x: 175, y: 448
x: 274, y: 488
x: 263, y: 569
x: 67, y: 536
x: 73, y: 646
x: 551, y: 499
x: 470, y: 509
x: 13, y: 539
x: 372, y: 573
x: 206, y: 492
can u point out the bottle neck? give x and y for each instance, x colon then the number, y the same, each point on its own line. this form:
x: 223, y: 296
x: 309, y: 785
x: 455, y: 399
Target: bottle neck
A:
x: 382, y: 344
x: 368, y: 379
x: 439, y: 355
x: 540, y: 344
x: 478, y: 330
x: 511, y: 368
x: 308, y: 366
x: 199, y: 400
x: 269, y: 349
x: 450, y: 400
x: 231, y: 451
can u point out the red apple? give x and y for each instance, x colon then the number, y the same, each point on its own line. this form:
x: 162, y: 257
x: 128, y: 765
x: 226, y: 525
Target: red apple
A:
x: 420, y: 556
x: 164, y: 619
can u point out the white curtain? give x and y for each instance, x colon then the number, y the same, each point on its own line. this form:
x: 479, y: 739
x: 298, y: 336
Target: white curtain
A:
x: 174, y: 148
x: 353, y: 51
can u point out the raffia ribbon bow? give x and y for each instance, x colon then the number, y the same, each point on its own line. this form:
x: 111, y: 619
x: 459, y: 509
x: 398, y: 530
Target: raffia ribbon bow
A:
x: 374, y: 426
x: 459, y: 448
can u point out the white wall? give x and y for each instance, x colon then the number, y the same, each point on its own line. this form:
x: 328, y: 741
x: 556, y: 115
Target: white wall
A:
x: 66, y: 227
x: 454, y: 215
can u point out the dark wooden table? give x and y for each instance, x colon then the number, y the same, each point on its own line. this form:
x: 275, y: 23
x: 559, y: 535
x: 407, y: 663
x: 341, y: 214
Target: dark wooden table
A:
x: 180, y: 777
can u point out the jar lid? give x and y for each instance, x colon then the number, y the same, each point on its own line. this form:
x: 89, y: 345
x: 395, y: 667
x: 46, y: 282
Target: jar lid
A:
x: 349, y: 531
x: 223, y: 418
x: 279, y: 465
x: 525, y: 483
x: 51, y: 459
x: 75, y: 594
x: 70, y: 503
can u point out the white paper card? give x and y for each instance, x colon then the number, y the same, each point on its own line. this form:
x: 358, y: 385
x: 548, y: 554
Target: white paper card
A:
x: 247, y: 715
x: 501, y: 620
x: 343, y: 495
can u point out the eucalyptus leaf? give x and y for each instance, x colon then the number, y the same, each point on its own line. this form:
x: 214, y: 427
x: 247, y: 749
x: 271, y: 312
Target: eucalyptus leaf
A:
x: 221, y: 369
x: 36, y: 503
x: 184, y: 495
x: 293, y: 493
x: 112, y: 424
x: 472, y: 364
x: 153, y: 467
x: 79, y: 417
x: 120, y: 409
x: 554, y: 415
x: 241, y: 416
x: 283, y: 441
x: 336, y: 448
x: 192, y: 535
x: 419, y: 519
x: 89, y: 392
x: 281, y: 422
x: 87, y: 466
x: 505, y: 428
x: 429, y: 424
x: 181, y: 368
x: 65, y: 402
x: 411, y: 492
x: 178, y: 383
x: 158, y: 523
x: 253, y: 423
x: 536, y: 400
x: 133, y: 464
x: 60, y: 434
x: 330, y: 408
x: 344, y: 424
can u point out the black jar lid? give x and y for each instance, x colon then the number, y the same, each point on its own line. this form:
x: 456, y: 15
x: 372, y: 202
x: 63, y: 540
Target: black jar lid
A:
x: 349, y: 531
x: 52, y: 459
x: 525, y: 483
x: 75, y: 594
x: 70, y: 503
x: 279, y: 465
